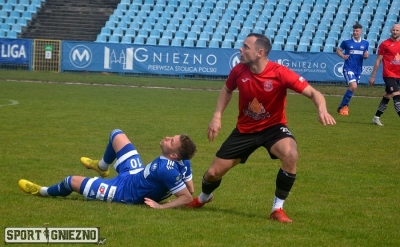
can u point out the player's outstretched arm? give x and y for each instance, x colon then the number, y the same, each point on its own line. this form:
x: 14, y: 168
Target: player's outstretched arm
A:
x: 319, y: 101
x: 183, y: 198
x: 214, y: 127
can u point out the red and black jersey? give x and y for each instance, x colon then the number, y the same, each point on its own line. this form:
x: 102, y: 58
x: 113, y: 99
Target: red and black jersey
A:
x: 262, y: 97
x: 390, y: 50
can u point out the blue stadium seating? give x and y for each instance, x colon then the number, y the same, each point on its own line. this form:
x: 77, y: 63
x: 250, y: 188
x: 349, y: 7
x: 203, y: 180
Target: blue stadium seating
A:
x: 188, y: 43
x: 113, y: 39
x: 126, y: 40
x: 292, y: 24
x: 163, y: 42
x: 201, y: 43
x: 176, y: 42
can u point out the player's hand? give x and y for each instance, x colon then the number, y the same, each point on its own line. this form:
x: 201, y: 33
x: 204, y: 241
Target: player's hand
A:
x: 213, y: 128
x: 366, y: 54
x: 371, y: 80
x: 345, y: 57
x: 152, y: 204
x: 326, y: 118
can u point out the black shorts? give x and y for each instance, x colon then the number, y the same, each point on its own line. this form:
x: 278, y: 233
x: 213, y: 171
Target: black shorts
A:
x: 242, y: 145
x: 391, y: 84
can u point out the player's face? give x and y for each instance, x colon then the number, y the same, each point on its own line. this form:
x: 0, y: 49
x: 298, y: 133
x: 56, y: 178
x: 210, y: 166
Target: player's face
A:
x: 395, y: 32
x: 170, y: 145
x: 249, y: 52
x: 357, y: 33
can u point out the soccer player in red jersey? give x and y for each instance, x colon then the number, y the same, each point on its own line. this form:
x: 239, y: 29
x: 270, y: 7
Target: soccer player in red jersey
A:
x: 261, y: 122
x: 389, y: 54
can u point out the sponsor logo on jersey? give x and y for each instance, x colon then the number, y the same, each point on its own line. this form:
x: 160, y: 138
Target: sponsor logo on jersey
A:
x: 396, y: 59
x: 101, y: 191
x: 153, y: 166
x: 170, y: 165
x: 111, y: 193
x: 268, y: 86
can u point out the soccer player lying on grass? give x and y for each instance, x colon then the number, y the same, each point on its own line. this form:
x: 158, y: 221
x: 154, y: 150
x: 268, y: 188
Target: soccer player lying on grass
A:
x: 168, y: 174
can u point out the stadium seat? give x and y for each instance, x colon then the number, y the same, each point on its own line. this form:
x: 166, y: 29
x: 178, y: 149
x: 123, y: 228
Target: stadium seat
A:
x: 226, y: 44
x: 195, y: 29
x: 113, y: 39
x: 139, y: 40
x: 315, y: 48
x: 217, y: 36
x: 213, y: 44
x: 10, y: 21
x: 291, y: 40
x: 192, y: 35
x: 302, y: 48
x: 122, y: 25
x: 238, y: 44
x: 328, y: 48
x: 118, y: 32
x: 230, y: 37
x: 282, y: 32
x: 23, y: 22
x: 176, y: 42
x: 17, y: 28
x: 305, y: 41
x: 289, y: 47
x: 317, y: 41
x: 101, y: 38
x: 126, y: 40
x: 188, y: 43
x: 163, y: 42
x: 208, y: 29
x: 204, y: 36
x: 233, y: 30
x: 167, y: 34
x: 330, y: 41
x: 180, y: 35
x: 270, y: 33
x: 201, y: 43
x: 150, y: 41
x: 241, y: 36
x: 4, y: 27
x: 276, y: 47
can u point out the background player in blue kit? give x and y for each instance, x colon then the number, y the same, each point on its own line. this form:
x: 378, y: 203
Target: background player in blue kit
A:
x: 168, y: 174
x: 353, y: 51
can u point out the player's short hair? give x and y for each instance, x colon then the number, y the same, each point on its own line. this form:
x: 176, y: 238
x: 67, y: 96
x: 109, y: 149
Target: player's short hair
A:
x: 188, y: 148
x: 262, y: 41
x: 357, y: 26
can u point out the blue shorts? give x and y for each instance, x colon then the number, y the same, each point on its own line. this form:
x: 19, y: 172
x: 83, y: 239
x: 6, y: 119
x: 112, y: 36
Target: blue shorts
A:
x: 127, y: 164
x: 351, y: 76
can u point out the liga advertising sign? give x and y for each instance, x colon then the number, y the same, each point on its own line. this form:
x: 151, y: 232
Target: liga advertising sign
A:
x: 49, y: 235
x: 15, y: 51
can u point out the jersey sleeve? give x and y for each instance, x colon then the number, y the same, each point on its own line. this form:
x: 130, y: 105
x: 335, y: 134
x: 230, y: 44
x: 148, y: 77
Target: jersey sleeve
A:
x: 292, y: 80
x: 381, y: 48
x: 342, y: 46
x: 187, y: 171
x: 233, y: 75
x: 171, y: 178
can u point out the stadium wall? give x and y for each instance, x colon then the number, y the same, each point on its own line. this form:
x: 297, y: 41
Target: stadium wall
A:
x: 130, y: 59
